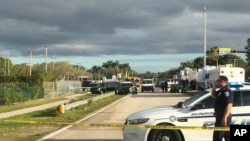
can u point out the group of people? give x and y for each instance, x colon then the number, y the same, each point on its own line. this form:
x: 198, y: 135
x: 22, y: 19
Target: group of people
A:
x: 186, y: 84
x: 164, y: 86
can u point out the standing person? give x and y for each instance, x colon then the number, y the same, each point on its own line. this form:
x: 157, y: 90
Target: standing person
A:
x: 223, y: 105
x: 166, y: 85
x: 163, y: 86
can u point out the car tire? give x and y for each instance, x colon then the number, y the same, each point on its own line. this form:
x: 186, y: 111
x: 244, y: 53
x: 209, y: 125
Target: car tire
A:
x: 164, y: 134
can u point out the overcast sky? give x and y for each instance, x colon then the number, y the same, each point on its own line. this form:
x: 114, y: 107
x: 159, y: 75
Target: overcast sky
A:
x: 150, y: 35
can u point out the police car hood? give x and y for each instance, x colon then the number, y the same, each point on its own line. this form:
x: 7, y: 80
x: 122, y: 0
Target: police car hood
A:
x: 166, y: 110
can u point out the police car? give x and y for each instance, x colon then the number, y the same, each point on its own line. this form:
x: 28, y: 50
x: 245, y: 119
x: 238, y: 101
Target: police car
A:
x: 198, y: 110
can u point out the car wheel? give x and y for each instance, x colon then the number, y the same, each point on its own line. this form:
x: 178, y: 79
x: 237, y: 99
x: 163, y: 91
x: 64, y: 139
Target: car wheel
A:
x: 164, y: 135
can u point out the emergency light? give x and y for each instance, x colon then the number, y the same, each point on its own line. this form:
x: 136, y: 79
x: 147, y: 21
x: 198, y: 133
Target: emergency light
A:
x: 235, y: 84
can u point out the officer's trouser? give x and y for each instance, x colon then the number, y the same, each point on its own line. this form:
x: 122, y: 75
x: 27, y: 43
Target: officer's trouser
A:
x: 218, y: 135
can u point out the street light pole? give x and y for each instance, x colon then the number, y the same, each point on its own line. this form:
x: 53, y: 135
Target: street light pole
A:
x: 205, y: 54
x: 204, y: 12
x: 46, y: 57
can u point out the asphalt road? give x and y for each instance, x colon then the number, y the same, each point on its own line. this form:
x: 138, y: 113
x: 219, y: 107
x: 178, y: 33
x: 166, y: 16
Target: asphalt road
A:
x: 114, y: 113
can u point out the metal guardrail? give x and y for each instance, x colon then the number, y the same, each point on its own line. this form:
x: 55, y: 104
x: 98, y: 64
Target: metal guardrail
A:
x: 68, y: 106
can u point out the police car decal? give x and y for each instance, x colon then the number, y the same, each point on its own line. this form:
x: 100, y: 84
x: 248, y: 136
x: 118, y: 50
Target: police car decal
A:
x: 203, y: 114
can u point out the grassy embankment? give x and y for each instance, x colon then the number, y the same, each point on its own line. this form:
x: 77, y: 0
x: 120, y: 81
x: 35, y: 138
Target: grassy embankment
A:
x: 23, y: 131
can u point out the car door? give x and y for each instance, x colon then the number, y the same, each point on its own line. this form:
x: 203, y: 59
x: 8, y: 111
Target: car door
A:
x: 203, y: 117
x: 242, y: 103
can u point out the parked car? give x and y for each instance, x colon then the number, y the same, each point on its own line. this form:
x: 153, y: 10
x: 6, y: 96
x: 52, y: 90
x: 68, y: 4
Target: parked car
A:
x: 87, y: 84
x: 105, y: 87
x: 127, y: 87
x: 112, y: 85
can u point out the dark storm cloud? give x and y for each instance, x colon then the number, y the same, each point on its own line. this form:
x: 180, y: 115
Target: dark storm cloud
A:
x: 106, y: 27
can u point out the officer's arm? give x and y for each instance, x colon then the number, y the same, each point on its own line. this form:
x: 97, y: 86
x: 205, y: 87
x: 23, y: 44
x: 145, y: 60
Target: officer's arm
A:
x: 227, y: 113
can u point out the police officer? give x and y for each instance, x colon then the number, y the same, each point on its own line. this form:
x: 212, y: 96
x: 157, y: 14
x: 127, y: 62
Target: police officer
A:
x: 223, y: 105
x: 162, y: 86
x: 166, y: 86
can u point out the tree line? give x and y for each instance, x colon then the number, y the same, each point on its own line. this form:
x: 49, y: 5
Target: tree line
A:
x: 65, y: 70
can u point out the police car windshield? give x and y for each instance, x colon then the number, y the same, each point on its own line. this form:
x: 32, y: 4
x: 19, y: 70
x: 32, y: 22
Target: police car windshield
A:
x: 194, y: 97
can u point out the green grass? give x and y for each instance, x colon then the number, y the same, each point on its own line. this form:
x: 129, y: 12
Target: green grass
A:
x: 25, y: 131
x: 31, y: 103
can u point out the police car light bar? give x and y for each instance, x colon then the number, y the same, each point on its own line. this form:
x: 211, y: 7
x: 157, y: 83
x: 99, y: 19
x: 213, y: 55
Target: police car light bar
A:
x: 235, y: 84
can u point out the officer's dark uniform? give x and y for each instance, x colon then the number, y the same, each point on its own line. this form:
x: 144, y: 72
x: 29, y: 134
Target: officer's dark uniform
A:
x: 166, y: 86
x: 222, y: 98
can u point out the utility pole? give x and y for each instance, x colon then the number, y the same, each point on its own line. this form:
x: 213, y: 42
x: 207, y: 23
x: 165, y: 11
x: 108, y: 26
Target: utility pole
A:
x: 31, y: 63
x: 8, y: 71
x: 78, y: 66
x: 53, y: 59
x: 46, y: 57
x: 5, y: 66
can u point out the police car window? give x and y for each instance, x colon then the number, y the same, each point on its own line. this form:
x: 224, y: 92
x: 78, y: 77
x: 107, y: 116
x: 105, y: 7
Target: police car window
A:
x: 208, y: 102
x: 194, y: 97
x: 245, y: 98
x: 241, y: 98
x: 237, y: 98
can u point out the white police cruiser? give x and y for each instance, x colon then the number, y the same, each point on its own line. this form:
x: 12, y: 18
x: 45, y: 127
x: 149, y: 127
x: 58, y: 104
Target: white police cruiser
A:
x: 198, y: 110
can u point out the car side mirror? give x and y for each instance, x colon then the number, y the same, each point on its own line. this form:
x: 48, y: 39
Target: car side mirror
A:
x: 198, y: 106
x: 180, y: 105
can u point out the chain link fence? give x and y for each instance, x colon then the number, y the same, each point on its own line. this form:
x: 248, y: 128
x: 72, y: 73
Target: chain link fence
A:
x: 62, y: 87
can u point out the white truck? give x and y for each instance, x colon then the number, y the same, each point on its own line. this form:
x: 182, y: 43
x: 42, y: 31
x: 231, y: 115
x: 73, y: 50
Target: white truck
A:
x: 234, y: 74
x: 147, y: 85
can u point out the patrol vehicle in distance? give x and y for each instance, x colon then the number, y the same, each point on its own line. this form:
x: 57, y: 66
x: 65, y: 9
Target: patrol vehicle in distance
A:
x: 147, y: 85
x: 127, y: 87
x: 198, y: 110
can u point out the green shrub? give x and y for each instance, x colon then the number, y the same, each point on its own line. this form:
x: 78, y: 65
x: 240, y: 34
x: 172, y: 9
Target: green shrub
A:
x: 10, y: 97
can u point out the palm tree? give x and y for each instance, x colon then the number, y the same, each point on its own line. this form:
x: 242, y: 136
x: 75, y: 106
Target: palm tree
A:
x: 124, y: 69
x: 96, y: 70
x: 110, y: 68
